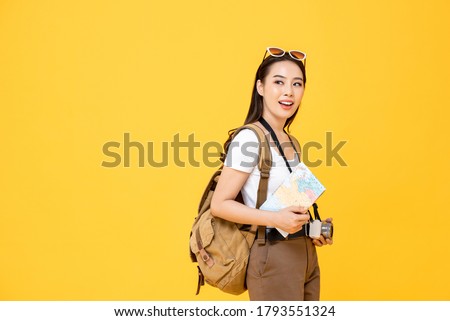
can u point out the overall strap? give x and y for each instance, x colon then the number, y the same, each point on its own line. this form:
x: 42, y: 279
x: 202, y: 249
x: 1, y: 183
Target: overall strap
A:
x: 297, y: 147
x: 298, y: 150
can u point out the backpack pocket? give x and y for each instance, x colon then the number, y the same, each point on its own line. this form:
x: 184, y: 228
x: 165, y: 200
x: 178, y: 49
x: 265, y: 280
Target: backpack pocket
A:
x: 223, y: 253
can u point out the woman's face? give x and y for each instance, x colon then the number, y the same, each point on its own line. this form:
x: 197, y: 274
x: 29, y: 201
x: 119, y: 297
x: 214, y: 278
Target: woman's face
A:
x: 282, y: 90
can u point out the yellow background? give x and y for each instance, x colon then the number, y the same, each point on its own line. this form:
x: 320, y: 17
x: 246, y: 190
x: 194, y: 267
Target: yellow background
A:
x: 77, y: 74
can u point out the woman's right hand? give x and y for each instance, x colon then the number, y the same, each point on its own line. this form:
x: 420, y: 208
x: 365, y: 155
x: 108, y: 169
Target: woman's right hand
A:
x: 291, y: 219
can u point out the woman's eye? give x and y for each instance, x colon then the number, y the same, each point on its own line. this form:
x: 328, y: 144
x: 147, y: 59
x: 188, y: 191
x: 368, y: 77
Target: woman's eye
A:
x: 278, y: 82
x: 299, y: 84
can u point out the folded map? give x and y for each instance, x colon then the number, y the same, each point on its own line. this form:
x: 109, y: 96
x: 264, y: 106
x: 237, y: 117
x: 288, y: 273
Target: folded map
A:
x: 300, y: 188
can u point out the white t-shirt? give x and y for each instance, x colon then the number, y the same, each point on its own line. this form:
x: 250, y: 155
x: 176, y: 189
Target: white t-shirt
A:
x: 242, y: 155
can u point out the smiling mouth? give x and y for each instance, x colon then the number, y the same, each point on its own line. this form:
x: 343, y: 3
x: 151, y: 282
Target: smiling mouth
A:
x: 286, y: 104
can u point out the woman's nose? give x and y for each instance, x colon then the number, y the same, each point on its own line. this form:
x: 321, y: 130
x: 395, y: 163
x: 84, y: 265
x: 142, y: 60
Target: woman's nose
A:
x: 288, y: 91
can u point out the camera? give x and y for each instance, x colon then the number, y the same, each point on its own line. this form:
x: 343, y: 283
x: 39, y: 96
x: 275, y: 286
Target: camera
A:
x: 316, y: 228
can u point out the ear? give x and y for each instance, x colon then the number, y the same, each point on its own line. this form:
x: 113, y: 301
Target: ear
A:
x: 260, y: 87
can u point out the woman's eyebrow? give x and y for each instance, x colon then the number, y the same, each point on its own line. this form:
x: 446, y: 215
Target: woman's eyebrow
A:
x: 300, y: 78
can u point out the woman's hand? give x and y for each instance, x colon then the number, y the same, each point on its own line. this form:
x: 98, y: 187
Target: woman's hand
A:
x: 321, y: 240
x: 291, y: 219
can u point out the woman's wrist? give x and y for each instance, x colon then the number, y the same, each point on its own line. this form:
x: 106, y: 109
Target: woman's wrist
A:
x: 268, y: 218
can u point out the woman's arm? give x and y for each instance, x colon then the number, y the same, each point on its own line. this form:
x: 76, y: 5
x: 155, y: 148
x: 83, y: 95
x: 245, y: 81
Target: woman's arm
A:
x: 223, y: 205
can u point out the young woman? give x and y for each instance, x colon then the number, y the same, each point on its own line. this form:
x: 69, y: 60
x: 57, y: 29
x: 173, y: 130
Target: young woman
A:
x: 279, y: 269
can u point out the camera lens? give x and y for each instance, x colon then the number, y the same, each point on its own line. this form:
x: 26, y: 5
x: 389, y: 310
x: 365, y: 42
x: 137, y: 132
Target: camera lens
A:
x: 327, y: 230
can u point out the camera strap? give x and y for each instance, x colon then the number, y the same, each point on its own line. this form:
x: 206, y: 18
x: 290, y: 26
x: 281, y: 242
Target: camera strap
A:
x: 316, y: 212
x: 280, y: 149
x: 277, y: 142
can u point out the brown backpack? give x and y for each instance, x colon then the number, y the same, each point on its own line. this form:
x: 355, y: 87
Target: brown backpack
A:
x: 221, y: 248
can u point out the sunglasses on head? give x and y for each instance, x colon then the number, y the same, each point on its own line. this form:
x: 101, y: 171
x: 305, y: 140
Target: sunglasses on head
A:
x: 278, y: 52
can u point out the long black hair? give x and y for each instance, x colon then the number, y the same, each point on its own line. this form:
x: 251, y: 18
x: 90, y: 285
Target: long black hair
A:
x: 256, y: 104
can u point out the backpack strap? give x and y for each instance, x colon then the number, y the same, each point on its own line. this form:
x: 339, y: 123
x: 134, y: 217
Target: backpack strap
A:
x: 264, y: 166
x: 264, y: 161
x: 262, y: 229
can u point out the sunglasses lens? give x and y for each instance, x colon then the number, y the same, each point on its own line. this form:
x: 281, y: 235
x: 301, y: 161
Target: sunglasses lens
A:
x: 277, y: 52
x: 297, y: 54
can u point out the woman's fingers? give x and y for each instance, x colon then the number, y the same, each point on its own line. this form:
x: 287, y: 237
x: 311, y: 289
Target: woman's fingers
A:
x: 298, y: 209
x: 303, y: 210
x: 302, y: 218
x: 317, y: 243
x: 322, y: 241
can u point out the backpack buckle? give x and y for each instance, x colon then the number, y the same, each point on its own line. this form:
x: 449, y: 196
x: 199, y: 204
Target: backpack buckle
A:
x: 265, y: 174
x: 206, y: 258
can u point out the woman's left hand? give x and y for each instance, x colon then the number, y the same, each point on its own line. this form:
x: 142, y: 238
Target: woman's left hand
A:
x: 321, y: 240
